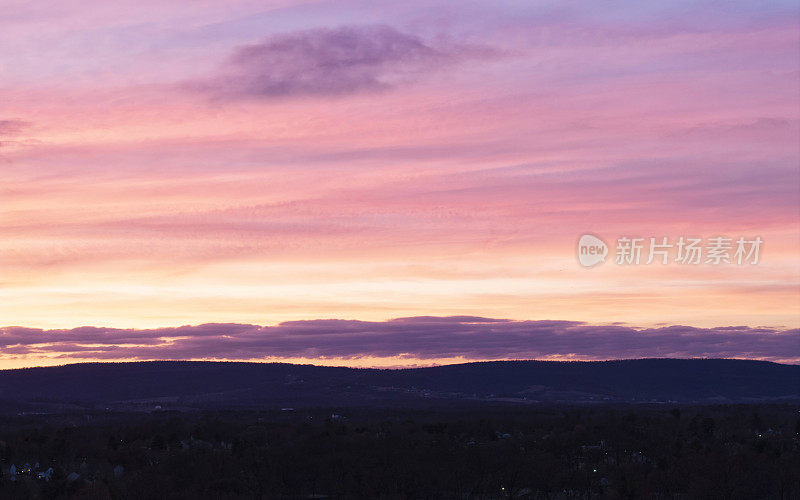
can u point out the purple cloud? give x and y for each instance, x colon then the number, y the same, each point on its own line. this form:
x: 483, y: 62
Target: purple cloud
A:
x: 422, y: 337
x: 330, y: 62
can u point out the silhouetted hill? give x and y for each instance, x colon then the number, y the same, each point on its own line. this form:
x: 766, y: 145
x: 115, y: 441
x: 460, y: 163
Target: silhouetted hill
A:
x: 179, y: 384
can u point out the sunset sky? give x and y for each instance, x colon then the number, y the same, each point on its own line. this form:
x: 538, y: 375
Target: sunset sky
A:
x: 394, y: 183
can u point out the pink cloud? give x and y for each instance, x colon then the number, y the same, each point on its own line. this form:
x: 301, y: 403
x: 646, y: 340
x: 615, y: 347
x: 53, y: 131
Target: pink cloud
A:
x: 656, y: 120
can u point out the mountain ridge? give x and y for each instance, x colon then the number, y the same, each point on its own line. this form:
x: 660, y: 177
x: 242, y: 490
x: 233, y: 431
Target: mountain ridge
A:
x: 200, y: 384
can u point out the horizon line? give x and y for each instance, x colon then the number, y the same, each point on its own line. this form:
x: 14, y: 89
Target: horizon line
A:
x: 395, y: 368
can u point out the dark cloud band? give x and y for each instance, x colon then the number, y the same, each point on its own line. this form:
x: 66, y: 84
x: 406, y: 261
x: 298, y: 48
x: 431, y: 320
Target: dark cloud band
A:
x: 424, y: 337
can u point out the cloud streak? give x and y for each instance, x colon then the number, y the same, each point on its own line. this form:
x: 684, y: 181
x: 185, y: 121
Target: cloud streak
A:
x: 13, y: 127
x: 418, y: 338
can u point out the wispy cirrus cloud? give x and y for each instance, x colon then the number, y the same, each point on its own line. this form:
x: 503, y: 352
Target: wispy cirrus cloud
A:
x: 331, y: 61
x: 419, y: 338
